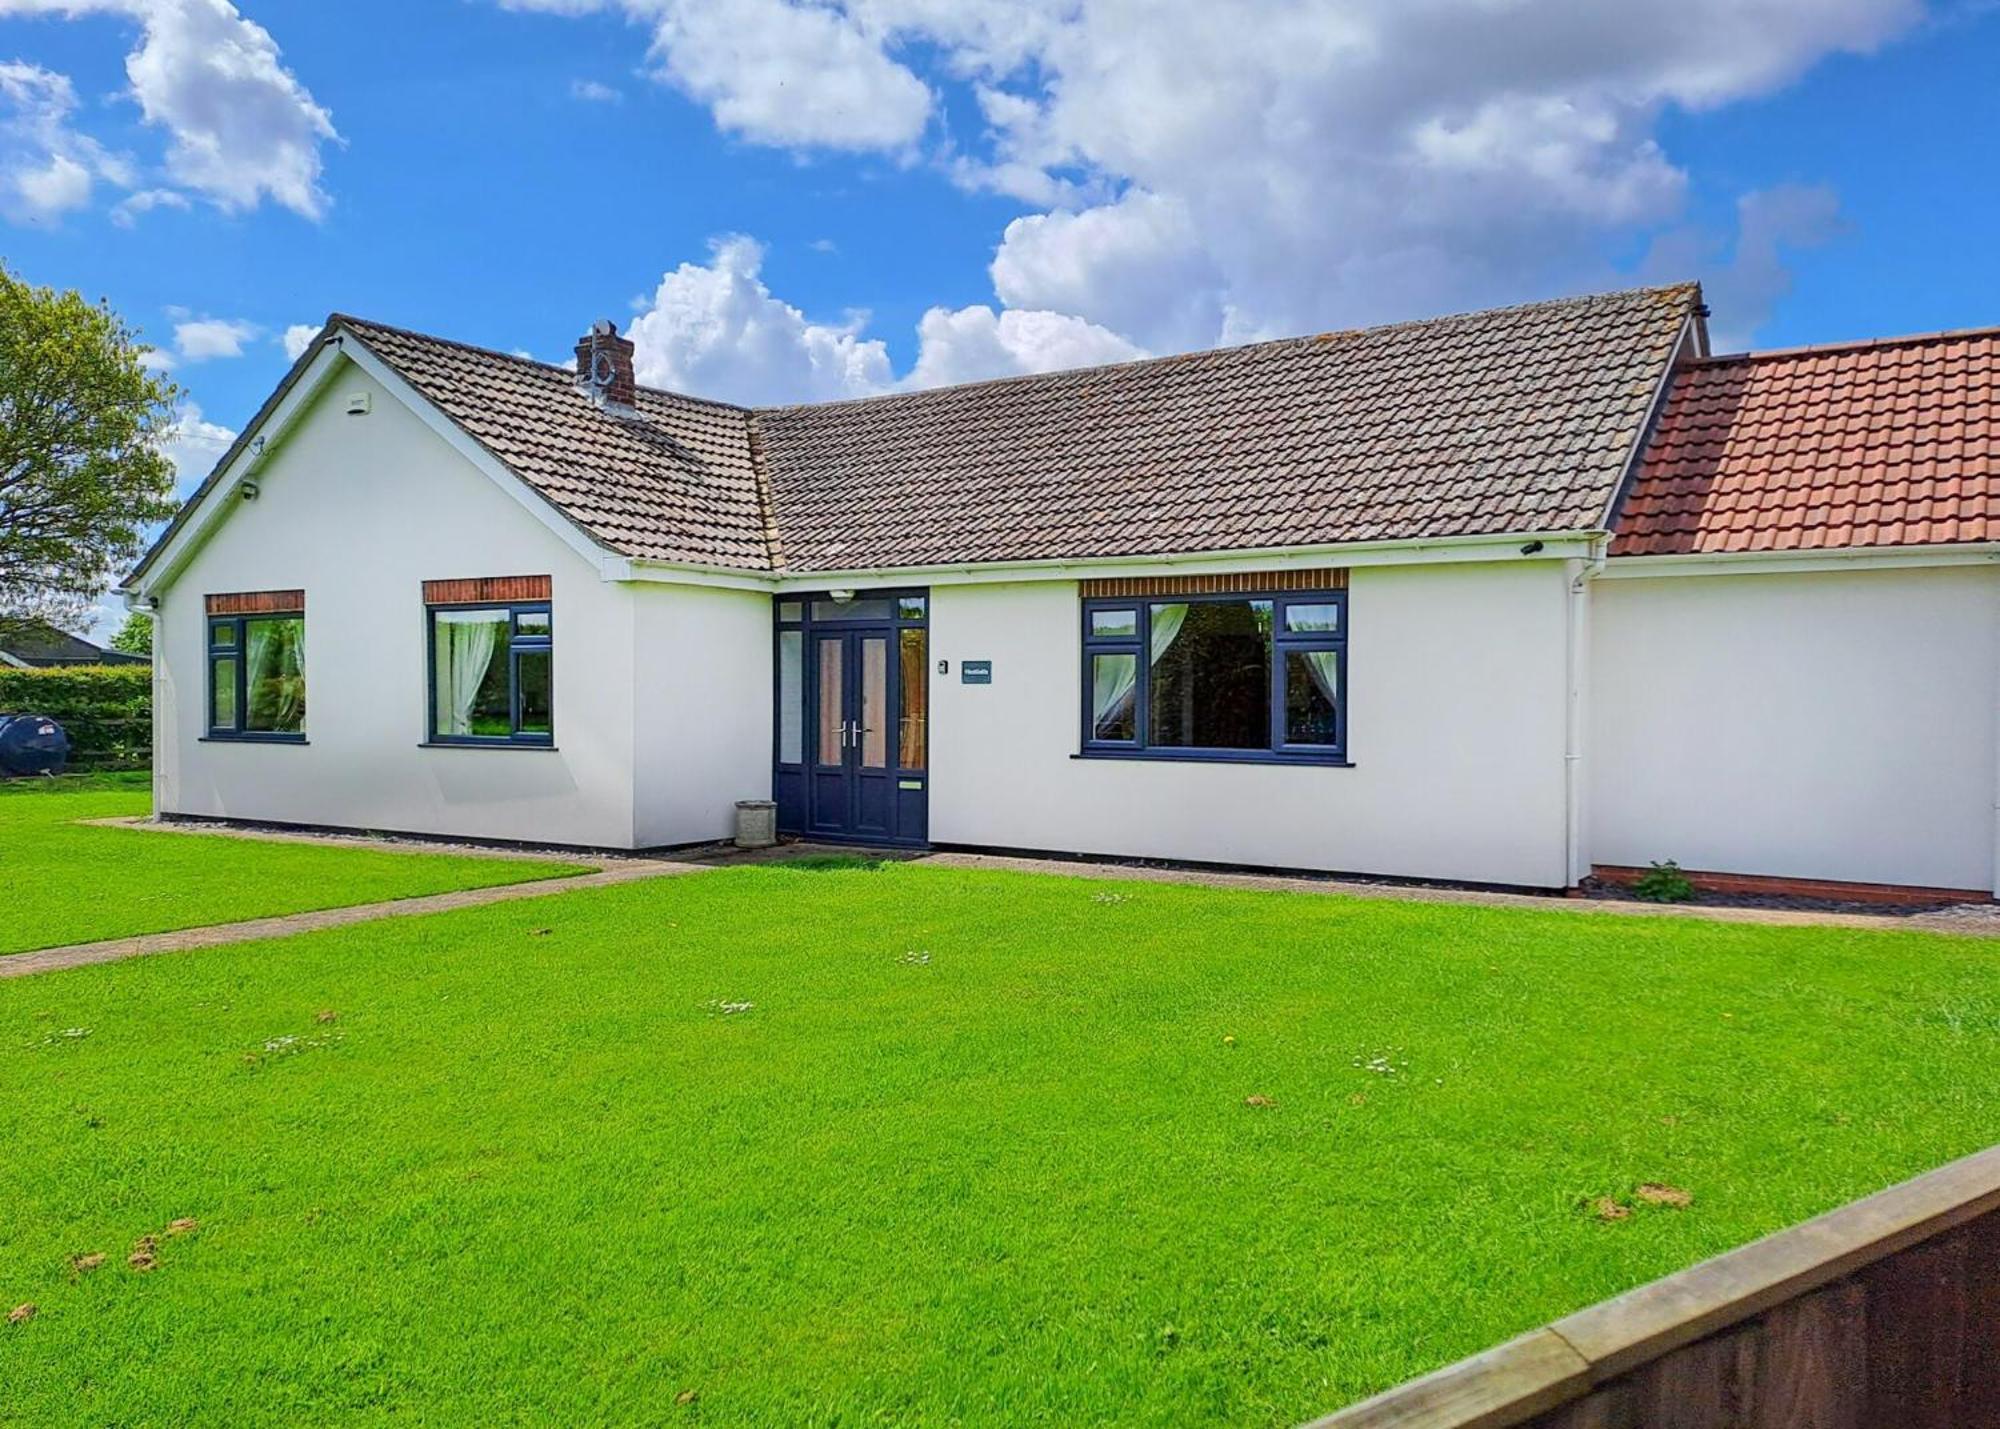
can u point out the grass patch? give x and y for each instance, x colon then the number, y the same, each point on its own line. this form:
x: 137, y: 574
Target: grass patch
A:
x: 131, y: 780
x: 66, y: 882
x: 925, y: 1146
x: 829, y: 863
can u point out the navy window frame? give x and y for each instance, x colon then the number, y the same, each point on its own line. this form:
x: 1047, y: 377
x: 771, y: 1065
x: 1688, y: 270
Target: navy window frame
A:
x: 1282, y: 642
x: 517, y: 644
x: 239, y: 653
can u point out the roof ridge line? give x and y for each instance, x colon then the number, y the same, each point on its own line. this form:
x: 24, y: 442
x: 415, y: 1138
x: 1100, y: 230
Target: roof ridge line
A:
x: 1860, y: 344
x: 1162, y: 359
x: 355, y: 320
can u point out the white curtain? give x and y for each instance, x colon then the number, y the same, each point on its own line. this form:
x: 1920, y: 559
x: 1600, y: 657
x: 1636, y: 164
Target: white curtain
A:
x: 465, y: 651
x: 1167, y: 623
x: 258, y: 655
x: 1112, y: 677
x: 1325, y: 667
x: 1111, y: 681
x: 271, y: 673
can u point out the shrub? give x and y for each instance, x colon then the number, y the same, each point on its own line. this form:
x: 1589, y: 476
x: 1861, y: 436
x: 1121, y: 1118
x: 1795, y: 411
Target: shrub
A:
x: 107, y: 709
x: 1663, y: 883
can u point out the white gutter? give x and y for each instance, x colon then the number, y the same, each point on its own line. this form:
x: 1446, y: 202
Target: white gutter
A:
x: 1576, y: 713
x: 1842, y: 558
x: 1572, y: 545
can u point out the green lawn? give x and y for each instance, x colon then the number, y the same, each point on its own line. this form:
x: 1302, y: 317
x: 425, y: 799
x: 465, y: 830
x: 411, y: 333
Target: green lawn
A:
x: 64, y: 882
x: 919, y: 1146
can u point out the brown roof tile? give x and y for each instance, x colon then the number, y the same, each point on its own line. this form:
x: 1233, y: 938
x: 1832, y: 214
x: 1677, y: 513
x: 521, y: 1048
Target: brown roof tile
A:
x: 670, y: 481
x: 1516, y: 420
x: 1886, y: 443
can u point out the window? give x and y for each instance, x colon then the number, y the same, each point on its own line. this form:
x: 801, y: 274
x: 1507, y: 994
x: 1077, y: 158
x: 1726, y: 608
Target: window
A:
x: 1216, y: 676
x: 256, y: 667
x: 492, y: 674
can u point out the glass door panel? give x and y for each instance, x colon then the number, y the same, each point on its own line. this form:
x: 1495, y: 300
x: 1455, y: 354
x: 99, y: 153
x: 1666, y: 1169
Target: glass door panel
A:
x: 874, y: 732
x: 913, y: 724
x: 832, y: 722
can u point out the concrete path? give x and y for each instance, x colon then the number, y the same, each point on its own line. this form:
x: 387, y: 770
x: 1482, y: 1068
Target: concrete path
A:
x: 1974, y: 921
x: 78, y: 955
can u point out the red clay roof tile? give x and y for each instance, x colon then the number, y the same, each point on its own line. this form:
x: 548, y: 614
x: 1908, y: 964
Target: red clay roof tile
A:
x: 1876, y: 444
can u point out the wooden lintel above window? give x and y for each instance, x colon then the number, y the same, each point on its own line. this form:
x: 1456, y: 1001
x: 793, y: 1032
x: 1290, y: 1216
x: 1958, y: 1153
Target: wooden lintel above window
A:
x: 258, y: 602
x: 483, y: 590
x: 1257, y: 582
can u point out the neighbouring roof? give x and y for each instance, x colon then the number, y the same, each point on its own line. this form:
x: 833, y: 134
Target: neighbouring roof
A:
x: 1522, y: 419
x: 1889, y: 443
x: 46, y: 646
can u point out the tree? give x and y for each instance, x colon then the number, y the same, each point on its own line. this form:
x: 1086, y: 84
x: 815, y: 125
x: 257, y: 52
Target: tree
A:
x: 81, y: 470
x: 135, y: 636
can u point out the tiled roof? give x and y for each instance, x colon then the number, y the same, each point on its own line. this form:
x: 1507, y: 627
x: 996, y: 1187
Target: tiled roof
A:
x: 1518, y: 420
x: 1887, y: 443
x: 1522, y: 419
x: 670, y: 482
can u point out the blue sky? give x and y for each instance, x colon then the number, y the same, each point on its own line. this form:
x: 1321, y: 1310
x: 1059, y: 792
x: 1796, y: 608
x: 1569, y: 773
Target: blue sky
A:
x: 797, y: 201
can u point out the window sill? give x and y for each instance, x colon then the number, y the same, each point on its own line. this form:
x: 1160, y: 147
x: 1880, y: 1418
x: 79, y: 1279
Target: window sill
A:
x: 253, y: 739
x: 486, y: 744
x: 1218, y: 756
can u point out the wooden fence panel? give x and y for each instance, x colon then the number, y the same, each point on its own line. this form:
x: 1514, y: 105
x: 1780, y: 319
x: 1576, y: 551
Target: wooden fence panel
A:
x: 1883, y: 1314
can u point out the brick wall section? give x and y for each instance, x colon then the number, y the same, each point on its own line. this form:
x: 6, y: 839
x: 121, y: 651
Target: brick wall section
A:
x: 1757, y: 885
x: 1246, y: 582
x: 483, y: 590
x: 622, y: 389
x: 258, y: 602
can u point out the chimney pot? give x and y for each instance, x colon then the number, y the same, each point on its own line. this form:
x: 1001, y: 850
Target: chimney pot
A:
x: 604, y: 365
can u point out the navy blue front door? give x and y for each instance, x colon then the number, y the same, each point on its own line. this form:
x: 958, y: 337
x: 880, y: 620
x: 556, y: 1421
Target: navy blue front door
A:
x: 852, y: 717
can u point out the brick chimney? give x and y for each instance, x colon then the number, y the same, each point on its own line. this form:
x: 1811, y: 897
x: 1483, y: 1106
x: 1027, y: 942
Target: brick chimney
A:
x: 604, y: 364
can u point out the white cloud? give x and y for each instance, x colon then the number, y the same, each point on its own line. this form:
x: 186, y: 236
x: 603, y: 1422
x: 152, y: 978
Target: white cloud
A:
x: 715, y: 330
x: 975, y: 343
x: 127, y: 212
x: 593, y: 91
x: 47, y: 168
x: 1223, y: 172
x: 1136, y: 266
x: 240, y: 127
x: 1743, y: 287
x: 200, y: 339
x: 792, y: 75
x: 297, y: 338
x: 194, y: 445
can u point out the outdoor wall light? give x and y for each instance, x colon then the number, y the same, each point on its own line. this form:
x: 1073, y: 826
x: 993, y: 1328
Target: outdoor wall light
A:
x: 841, y: 597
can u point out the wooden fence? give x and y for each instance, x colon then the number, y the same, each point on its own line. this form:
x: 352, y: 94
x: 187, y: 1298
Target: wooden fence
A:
x: 1883, y: 1314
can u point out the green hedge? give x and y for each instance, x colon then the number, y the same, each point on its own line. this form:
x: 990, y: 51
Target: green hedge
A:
x: 107, y: 709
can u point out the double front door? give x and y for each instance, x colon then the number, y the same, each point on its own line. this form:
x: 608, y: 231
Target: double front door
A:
x: 853, y: 731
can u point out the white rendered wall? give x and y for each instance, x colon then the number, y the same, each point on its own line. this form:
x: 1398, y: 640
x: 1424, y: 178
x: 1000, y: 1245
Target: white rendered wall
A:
x: 1812, y: 725
x: 703, y: 725
x: 1456, y: 722
x: 359, y: 511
